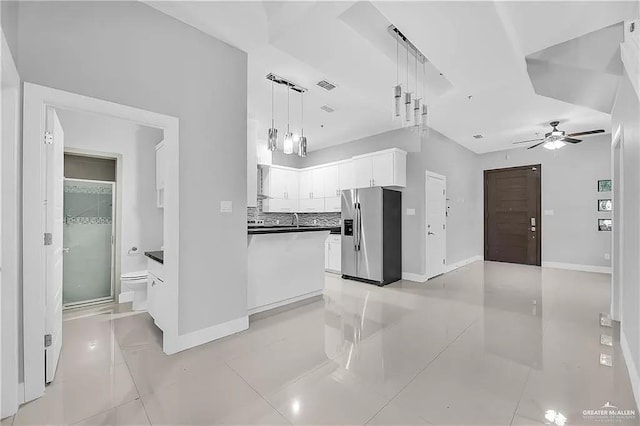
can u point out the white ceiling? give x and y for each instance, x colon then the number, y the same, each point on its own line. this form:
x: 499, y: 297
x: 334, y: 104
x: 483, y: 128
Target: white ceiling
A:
x: 479, y: 46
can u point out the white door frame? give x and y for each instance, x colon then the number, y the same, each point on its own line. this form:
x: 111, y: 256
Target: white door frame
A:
x: 426, y: 201
x: 36, y: 99
x: 617, y: 246
x: 114, y: 233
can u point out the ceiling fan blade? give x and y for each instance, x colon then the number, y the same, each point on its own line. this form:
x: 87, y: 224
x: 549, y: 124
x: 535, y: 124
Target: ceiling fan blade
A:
x: 590, y: 132
x: 530, y: 140
x: 571, y: 140
x: 538, y: 144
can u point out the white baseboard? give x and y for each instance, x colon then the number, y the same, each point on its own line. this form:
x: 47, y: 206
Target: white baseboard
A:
x: 464, y: 262
x: 634, y: 375
x: 125, y: 297
x: 199, y: 337
x: 420, y: 278
x: 577, y: 267
x: 285, y: 302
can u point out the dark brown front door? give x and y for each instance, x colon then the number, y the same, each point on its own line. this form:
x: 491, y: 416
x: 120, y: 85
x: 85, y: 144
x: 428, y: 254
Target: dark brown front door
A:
x: 512, y: 227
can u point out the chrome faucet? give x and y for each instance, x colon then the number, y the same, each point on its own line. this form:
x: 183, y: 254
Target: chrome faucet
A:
x: 295, y: 220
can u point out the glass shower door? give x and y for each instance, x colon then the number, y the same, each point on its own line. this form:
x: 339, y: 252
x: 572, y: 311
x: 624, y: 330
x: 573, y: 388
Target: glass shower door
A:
x: 88, y: 242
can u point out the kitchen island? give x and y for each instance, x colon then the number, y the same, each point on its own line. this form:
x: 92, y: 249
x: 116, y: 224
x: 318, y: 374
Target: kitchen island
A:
x: 285, y: 264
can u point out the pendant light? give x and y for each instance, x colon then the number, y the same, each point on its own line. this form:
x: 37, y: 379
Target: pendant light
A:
x: 302, y: 142
x: 273, y: 132
x: 288, y: 137
x: 397, y: 94
x: 407, y: 95
x: 416, y: 103
x: 424, y: 122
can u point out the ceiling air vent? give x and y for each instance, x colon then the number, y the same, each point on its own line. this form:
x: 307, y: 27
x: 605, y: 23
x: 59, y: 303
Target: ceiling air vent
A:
x: 327, y: 108
x: 478, y: 136
x: 326, y: 85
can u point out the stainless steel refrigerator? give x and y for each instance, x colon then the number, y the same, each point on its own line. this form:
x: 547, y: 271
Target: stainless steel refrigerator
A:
x: 372, y: 235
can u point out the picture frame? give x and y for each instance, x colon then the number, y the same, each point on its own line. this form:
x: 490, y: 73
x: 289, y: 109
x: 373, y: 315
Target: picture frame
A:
x: 604, y: 185
x: 605, y: 224
x: 605, y: 205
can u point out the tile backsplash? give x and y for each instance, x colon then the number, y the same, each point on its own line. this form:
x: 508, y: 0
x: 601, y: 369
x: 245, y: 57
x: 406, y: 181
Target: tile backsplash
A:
x: 306, y: 219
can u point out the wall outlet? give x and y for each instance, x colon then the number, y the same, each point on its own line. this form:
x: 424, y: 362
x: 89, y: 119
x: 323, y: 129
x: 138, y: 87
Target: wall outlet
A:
x: 411, y: 212
x: 315, y: 221
x: 607, y: 256
x: 277, y: 221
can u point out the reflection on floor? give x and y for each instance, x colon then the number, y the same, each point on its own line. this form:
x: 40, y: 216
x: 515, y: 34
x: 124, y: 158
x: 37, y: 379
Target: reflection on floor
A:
x: 486, y: 344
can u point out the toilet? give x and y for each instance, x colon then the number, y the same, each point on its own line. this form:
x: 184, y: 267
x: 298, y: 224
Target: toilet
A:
x: 135, y: 282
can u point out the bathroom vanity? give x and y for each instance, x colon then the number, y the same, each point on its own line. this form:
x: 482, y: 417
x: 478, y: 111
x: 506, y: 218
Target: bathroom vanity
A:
x: 157, y: 293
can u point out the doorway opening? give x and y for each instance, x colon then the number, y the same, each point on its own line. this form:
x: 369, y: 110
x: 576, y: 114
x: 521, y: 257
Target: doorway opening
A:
x: 512, y: 213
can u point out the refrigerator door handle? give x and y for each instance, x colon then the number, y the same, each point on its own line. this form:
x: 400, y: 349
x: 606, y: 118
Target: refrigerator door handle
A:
x: 358, y: 226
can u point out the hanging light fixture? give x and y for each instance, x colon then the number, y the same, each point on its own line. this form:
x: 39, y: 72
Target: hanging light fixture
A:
x: 407, y: 95
x: 288, y: 137
x: 302, y: 142
x: 397, y: 94
x: 416, y: 103
x: 424, y: 122
x: 273, y: 132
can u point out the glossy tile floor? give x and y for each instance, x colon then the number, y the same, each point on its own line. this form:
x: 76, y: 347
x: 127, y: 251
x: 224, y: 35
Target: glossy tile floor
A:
x: 489, y: 343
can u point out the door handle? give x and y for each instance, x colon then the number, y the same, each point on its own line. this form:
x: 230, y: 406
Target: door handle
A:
x: 65, y: 249
x: 431, y: 233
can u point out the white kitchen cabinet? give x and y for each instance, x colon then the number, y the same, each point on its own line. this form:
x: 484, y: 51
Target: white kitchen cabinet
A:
x: 333, y: 204
x: 346, y: 175
x: 280, y: 187
x: 333, y: 253
x: 383, y: 168
x: 331, y: 181
x: 160, y: 173
x: 312, y: 183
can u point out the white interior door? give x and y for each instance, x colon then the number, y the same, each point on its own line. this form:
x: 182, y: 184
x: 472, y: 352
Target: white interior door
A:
x: 436, y: 216
x: 54, y: 186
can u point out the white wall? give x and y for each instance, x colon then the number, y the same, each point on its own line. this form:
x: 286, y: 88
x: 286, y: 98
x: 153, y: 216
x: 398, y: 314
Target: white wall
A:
x: 10, y: 228
x: 626, y: 113
x: 129, y: 53
x: 569, y: 188
x: 138, y: 221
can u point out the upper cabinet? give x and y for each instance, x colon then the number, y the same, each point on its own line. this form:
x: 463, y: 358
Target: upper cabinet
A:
x: 312, y: 184
x: 317, y: 189
x: 280, y: 187
x: 346, y: 175
x: 160, y: 172
x: 383, y: 168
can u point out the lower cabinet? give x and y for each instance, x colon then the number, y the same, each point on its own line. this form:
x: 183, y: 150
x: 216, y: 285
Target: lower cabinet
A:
x: 157, y: 294
x: 333, y: 254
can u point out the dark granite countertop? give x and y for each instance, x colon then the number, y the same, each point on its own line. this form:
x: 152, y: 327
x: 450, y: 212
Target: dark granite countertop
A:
x: 280, y: 229
x: 158, y: 255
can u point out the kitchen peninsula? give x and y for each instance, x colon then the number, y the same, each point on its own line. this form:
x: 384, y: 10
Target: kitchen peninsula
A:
x: 286, y: 264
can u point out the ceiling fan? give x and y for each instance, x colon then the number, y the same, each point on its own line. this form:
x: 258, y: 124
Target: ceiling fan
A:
x: 556, y: 138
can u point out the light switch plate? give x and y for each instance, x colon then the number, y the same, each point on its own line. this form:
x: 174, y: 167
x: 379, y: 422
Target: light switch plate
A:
x: 548, y: 212
x: 411, y: 212
x: 226, y: 207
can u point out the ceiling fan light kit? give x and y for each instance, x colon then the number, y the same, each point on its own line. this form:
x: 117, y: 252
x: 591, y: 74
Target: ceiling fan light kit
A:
x: 289, y: 138
x: 557, y: 139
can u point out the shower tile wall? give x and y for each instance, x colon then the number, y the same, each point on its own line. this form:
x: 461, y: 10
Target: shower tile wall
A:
x: 306, y: 219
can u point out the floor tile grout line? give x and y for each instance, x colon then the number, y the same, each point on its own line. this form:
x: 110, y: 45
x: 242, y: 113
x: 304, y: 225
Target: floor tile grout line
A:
x: 135, y: 384
x: 524, y: 386
x: 420, y: 372
x: 259, y: 393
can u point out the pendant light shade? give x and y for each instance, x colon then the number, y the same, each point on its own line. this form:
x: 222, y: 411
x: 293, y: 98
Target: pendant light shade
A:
x: 273, y: 132
x: 416, y: 112
x: 397, y: 100
x: 302, y: 142
x: 424, y: 122
x: 288, y: 137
